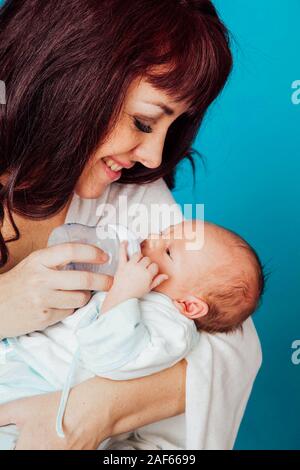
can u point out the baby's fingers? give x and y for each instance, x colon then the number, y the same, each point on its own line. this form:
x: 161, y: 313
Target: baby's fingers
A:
x: 158, y: 280
x: 136, y: 257
x: 152, y: 268
x: 123, y: 258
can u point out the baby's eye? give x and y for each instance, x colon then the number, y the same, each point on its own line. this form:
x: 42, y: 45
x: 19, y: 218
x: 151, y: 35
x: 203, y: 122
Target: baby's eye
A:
x: 168, y: 252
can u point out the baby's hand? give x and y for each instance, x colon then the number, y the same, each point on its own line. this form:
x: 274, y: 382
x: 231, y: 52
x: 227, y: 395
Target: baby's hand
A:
x: 133, y: 278
x: 137, y: 276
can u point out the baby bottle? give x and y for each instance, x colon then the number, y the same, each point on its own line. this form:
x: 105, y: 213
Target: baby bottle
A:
x: 107, y: 237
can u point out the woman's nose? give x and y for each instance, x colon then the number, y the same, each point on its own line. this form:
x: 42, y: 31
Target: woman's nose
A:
x: 151, y: 161
x: 150, y: 154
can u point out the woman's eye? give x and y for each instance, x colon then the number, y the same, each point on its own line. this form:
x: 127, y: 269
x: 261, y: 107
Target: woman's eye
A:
x: 142, y: 127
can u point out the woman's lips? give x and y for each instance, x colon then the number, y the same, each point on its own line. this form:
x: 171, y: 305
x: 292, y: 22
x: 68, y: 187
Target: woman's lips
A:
x: 113, y: 175
x: 125, y: 165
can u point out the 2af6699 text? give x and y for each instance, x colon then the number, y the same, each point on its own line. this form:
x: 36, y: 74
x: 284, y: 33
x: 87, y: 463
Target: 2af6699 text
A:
x: 171, y: 459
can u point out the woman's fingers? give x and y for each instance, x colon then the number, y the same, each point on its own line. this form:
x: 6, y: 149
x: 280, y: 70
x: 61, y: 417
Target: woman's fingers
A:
x: 60, y: 255
x: 68, y: 299
x: 53, y: 315
x: 79, y: 280
x: 63, y: 304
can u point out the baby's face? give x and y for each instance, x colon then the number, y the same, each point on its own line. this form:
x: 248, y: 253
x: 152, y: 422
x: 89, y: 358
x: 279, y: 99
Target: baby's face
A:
x: 180, y: 253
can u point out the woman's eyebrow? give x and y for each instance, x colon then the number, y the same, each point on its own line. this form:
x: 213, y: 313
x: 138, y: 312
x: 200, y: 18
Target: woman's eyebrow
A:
x: 166, y: 109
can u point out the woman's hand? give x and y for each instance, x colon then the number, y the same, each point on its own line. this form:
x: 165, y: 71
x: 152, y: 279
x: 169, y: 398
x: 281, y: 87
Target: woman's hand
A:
x: 86, y: 421
x: 35, y: 294
x: 97, y: 409
x: 133, y: 278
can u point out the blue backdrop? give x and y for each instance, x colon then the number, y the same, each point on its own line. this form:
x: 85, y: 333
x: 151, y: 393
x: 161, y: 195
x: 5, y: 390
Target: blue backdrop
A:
x: 251, y: 141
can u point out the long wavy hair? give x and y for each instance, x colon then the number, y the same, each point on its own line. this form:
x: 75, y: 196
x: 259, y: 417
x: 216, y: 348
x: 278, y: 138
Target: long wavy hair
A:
x: 67, y: 66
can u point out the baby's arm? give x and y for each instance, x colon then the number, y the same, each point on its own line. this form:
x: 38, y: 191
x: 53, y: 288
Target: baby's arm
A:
x: 136, y: 338
x: 133, y: 279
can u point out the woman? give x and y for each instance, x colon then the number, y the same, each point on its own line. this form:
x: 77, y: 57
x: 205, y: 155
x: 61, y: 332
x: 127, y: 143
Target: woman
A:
x: 87, y: 81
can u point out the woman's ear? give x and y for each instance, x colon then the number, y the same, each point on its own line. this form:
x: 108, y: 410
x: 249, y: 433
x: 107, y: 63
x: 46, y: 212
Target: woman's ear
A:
x: 192, y: 307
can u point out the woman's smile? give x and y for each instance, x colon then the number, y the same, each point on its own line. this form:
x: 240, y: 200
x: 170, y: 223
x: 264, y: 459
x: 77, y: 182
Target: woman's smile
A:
x: 113, y: 171
x: 113, y: 168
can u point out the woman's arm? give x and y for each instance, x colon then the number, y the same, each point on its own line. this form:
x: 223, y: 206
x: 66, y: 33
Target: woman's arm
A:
x: 156, y: 397
x: 97, y: 409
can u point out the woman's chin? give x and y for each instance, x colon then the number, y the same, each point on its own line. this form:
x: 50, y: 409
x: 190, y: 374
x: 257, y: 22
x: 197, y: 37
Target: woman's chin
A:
x: 94, y: 180
x: 94, y: 191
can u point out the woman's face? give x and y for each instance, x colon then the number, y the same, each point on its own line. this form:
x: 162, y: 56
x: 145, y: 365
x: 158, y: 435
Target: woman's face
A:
x: 138, y: 136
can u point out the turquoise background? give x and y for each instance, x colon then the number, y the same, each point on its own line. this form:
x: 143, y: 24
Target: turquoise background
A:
x: 251, y: 141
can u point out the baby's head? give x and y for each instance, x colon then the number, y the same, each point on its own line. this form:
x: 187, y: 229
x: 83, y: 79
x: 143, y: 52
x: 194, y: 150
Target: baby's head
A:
x: 219, y: 284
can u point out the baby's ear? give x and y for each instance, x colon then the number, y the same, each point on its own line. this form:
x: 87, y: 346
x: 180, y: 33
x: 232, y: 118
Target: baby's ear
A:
x: 192, y: 307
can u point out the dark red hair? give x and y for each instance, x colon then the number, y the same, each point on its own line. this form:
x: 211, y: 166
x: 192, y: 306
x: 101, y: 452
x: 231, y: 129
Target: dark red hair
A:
x: 67, y: 66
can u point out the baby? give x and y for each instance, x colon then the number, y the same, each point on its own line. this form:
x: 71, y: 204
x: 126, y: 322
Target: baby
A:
x: 149, y: 319
x: 218, y: 285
